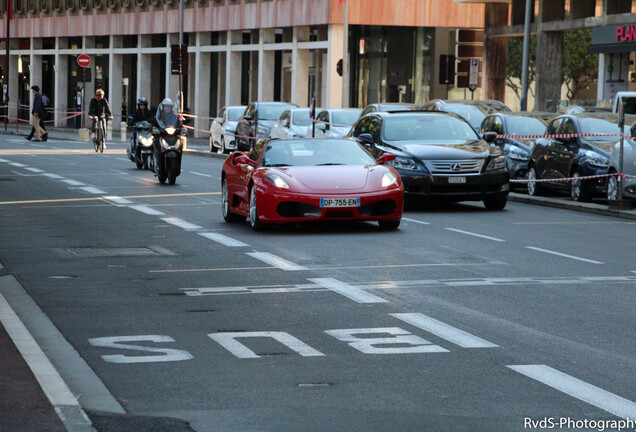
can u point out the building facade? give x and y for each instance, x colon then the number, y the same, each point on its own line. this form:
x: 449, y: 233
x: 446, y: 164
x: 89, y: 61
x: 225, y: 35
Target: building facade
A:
x: 238, y: 51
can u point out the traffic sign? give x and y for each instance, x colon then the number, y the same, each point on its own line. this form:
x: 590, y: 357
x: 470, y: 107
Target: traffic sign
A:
x: 84, y: 60
x: 473, y: 75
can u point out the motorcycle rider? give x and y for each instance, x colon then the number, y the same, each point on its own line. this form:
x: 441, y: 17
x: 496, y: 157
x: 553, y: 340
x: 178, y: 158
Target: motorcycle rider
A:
x: 142, y: 113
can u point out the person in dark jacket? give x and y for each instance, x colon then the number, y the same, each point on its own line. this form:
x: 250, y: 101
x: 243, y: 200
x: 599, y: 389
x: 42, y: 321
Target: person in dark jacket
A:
x: 38, y: 111
x: 142, y: 113
x: 98, y: 108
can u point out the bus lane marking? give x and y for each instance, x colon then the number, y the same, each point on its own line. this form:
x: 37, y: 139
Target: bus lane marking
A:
x: 356, y: 294
x: 563, y: 255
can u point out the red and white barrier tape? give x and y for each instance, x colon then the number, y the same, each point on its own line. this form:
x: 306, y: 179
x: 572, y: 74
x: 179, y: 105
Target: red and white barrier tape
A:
x: 562, y: 136
x: 569, y: 179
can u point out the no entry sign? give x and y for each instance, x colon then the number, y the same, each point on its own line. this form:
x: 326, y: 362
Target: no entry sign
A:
x: 83, y: 60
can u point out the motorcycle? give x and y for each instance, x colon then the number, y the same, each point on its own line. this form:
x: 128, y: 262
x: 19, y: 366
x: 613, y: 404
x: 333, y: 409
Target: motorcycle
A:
x: 169, y: 140
x: 141, y: 145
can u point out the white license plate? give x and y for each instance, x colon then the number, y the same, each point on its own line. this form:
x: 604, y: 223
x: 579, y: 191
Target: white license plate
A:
x: 339, y: 202
x: 455, y: 180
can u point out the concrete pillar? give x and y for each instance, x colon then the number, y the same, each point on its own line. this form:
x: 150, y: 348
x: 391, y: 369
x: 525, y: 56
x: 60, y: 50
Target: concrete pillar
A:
x: 233, y: 66
x: 300, y: 68
x: 61, y: 95
x: 89, y: 91
x: 582, y: 8
x: 35, y: 78
x: 613, y: 7
x: 202, y: 79
x: 172, y: 81
x: 550, y: 50
x: 13, y: 87
x: 144, y: 68
x: 220, y: 100
x: 115, y: 75
x: 266, y: 66
x: 332, y: 81
x: 495, y: 51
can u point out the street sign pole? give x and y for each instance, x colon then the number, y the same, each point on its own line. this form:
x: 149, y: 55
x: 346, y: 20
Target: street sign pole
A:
x: 473, y: 76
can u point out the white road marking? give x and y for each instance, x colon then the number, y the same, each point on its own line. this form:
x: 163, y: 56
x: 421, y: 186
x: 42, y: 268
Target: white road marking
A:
x: 262, y: 289
x: 48, y: 377
x: 444, y: 331
x: 16, y: 164
x: 53, y: 176
x: 93, y: 190
x: 563, y: 255
x: 475, y: 234
x: 415, y: 221
x: 117, y: 200
x: 276, y: 261
x: 147, y: 210
x: 73, y: 182
x: 35, y: 170
x: 181, y: 224
x: 356, y: 294
x: 4, y: 160
x: 367, y: 345
x: 223, y: 239
x: 578, y: 389
x: 200, y: 174
x: 229, y: 342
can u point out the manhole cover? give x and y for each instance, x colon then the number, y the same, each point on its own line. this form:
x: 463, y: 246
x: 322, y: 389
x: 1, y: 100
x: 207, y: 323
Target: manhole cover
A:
x: 112, y: 252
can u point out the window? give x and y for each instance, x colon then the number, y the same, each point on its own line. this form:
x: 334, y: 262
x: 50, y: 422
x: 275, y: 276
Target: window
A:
x: 554, y: 127
x: 257, y: 149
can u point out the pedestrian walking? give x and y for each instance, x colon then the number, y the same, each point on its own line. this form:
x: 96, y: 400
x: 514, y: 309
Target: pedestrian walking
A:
x: 38, y: 111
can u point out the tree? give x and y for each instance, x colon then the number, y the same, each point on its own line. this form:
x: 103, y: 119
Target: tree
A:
x: 515, y: 61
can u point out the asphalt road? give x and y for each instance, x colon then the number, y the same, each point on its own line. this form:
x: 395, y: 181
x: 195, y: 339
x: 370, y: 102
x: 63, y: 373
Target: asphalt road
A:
x: 463, y: 319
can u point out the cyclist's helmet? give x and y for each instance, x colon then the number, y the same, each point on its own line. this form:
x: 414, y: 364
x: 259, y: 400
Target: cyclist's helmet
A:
x: 142, y: 101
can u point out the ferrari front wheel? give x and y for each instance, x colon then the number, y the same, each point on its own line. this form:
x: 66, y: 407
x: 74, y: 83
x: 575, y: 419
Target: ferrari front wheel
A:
x: 256, y: 224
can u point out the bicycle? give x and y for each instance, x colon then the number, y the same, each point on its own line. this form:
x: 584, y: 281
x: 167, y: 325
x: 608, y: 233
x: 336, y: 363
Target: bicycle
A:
x: 99, y: 133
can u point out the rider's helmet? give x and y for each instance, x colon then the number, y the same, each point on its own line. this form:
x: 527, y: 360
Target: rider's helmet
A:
x: 167, y: 105
x: 142, y: 101
x: 166, y: 112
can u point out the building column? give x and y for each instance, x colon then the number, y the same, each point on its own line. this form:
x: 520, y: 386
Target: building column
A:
x: 144, y: 64
x: 266, y: 65
x: 550, y: 51
x: 331, y: 80
x: 300, y: 67
x: 202, y: 78
x: 115, y: 75
x: 89, y: 90
x: 35, y: 78
x: 13, y: 86
x: 61, y: 95
x: 233, y: 64
x: 495, y: 51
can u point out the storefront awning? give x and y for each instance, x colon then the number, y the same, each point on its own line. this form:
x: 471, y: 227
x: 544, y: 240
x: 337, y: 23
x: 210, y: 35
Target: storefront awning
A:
x: 613, y: 39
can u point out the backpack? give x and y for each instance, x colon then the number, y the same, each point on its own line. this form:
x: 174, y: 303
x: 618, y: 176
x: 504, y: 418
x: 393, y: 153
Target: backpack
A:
x: 45, y: 105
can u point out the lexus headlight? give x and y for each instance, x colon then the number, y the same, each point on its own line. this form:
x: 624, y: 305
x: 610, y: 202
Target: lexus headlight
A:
x: 518, y: 154
x: 405, y: 164
x: 170, y: 130
x: 496, y: 163
x: 388, y: 179
x: 596, y: 159
x: 276, y: 180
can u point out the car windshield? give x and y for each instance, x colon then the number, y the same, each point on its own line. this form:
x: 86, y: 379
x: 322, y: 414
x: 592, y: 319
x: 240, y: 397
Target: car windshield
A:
x: 312, y: 152
x: 471, y: 114
x: 526, y: 125
x: 427, y: 128
x: 233, y: 114
x: 301, y: 118
x: 345, y: 118
x: 601, y: 126
x: 270, y: 112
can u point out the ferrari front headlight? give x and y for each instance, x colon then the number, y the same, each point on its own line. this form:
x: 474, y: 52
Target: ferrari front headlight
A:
x: 276, y: 180
x: 388, y: 178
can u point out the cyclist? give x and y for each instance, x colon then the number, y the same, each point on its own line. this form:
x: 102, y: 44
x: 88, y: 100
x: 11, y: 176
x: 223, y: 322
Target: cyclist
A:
x: 142, y: 113
x: 97, y: 109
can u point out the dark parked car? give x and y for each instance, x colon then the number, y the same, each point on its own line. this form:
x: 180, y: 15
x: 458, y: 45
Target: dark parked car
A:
x: 559, y: 157
x: 386, y: 107
x: 521, y: 129
x: 439, y: 156
x: 257, y: 121
x: 473, y: 111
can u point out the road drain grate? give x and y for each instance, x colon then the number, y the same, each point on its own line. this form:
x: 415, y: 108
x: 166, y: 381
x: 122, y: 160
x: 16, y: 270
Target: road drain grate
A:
x: 112, y: 252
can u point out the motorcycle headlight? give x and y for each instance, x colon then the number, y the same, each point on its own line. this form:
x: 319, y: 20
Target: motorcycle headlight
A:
x: 276, y: 180
x: 496, y: 163
x: 388, y: 178
x: 146, y: 141
x: 596, y: 159
x: 518, y: 154
x: 404, y: 163
x: 170, y: 130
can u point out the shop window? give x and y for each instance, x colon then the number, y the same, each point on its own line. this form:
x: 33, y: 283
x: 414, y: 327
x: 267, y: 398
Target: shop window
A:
x: 19, y: 6
x: 218, y: 2
x: 129, y: 41
x: 71, y: 5
x: 45, y: 6
x: 57, y: 5
x: 112, y: 4
x: 156, y: 3
x: 102, y: 41
x: 83, y: 4
x: 31, y: 6
x: 97, y: 4
x: 235, y: 2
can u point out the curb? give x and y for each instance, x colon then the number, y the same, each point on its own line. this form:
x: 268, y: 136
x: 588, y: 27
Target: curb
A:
x: 562, y: 203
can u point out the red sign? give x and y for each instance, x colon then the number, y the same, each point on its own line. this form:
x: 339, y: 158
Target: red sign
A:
x: 626, y: 33
x: 83, y: 60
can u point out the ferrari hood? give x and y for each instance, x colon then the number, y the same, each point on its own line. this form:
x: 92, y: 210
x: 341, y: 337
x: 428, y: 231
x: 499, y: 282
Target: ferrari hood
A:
x: 330, y: 177
x: 446, y: 149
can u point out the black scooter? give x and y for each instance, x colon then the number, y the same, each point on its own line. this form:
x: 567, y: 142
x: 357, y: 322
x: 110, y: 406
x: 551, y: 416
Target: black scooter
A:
x: 141, y: 144
x: 169, y: 140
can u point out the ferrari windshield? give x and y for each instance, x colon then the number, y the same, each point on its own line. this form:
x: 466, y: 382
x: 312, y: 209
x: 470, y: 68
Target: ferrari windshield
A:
x: 427, y: 127
x: 308, y: 152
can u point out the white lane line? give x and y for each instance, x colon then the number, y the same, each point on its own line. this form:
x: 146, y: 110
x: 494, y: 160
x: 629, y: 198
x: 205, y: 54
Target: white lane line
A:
x: 223, y: 239
x: 415, y: 221
x: 35, y: 170
x: 16, y: 164
x: 200, y: 174
x: 50, y: 380
x: 475, y: 234
x: 73, y: 182
x: 351, y: 292
x: 93, y: 190
x: 181, y: 224
x: 563, y: 255
x: 578, y: 389
x: 147, y: 210
x: 117, y: 200
x: 4, y: 160
x: 53, y: 176
x: 276, y: 261
x: 444, y: 331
